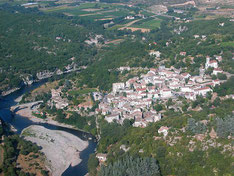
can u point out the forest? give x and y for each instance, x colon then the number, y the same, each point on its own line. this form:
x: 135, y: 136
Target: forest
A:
x: 130, y: 166
x: 49, y: 41
x: 103, y: 72
x: 134, y: 53
x: 216, y: 40
x: 41, y: 42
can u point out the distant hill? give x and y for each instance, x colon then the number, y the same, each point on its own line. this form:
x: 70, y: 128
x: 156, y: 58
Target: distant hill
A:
x: 176, y: 2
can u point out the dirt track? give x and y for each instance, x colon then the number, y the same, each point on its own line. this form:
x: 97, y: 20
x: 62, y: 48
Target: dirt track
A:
x: 135, y: 29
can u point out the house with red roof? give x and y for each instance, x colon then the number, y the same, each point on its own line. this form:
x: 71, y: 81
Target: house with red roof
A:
x: 216, y: 82
x: 203, y: 91
x: 163, y: 130
x: 185, y: 75
x: 211, y: 63
x: 165, y: 93
x: 183, y: 53
x: 190, y: 96
x: 217, y: 70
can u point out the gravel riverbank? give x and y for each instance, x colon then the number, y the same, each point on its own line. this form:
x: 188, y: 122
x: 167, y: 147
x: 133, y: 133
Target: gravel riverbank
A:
x: 61, y: 148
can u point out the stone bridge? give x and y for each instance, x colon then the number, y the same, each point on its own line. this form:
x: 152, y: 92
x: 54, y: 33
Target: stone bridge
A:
x: 25, y: 105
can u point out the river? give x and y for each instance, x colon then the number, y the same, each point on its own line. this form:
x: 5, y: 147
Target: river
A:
x: 21, y: 122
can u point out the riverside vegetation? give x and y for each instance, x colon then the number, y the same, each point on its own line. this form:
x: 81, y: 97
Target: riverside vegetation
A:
x: 16, y: 151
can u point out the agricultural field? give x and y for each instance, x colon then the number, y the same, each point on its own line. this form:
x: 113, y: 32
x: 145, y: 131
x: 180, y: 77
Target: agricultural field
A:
x: 106, y: 12
x: 117, y: 26
x: 143, y: 25
x: 100, y: 12
x: 149, y: 24
x: 93, y: 11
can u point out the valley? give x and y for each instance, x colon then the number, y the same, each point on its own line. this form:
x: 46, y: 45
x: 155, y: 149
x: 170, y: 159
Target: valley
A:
x: 123, y: 87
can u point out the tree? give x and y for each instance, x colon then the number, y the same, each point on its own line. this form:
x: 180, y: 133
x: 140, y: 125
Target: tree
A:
x: 185, y: 107
x: 161, y: 152
x: 217, y: 101
x: 214, y: 77
x: 44, y: 172
x: 132, y: 167
x: 222, y: 76
x: 92, y: 164
x: 158, y: 107
x: 195, y: 127
x: 209, y: 95
x: 169, y: 102
x: 225, y: 88
x: 225, y: 127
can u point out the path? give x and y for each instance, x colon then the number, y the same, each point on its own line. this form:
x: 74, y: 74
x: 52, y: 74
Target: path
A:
x: 127, y: 26
x: 98, y: 129
x: 131, y: 23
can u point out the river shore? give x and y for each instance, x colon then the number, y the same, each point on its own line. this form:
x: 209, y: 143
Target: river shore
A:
x: 23, y: 118
x: 8, y: 92
x: 27, y: 113
x: 61, y: 148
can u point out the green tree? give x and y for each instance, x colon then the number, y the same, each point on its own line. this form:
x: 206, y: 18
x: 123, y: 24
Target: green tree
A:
x: 92, y: 164
x: 222, y: 76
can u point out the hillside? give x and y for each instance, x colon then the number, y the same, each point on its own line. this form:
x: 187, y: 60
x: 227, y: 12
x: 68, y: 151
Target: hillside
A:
x: 183, y: 2
x: 197, y: 143
x: 32, y: 42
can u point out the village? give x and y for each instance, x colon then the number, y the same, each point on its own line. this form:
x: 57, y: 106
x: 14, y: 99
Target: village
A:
x: 134, y: 98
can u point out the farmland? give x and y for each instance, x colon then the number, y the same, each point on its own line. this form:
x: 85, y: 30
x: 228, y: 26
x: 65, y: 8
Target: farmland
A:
x: 107, y: 12
x: 149, y: 23
x: 98, y: 11
x: 92, y: 10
